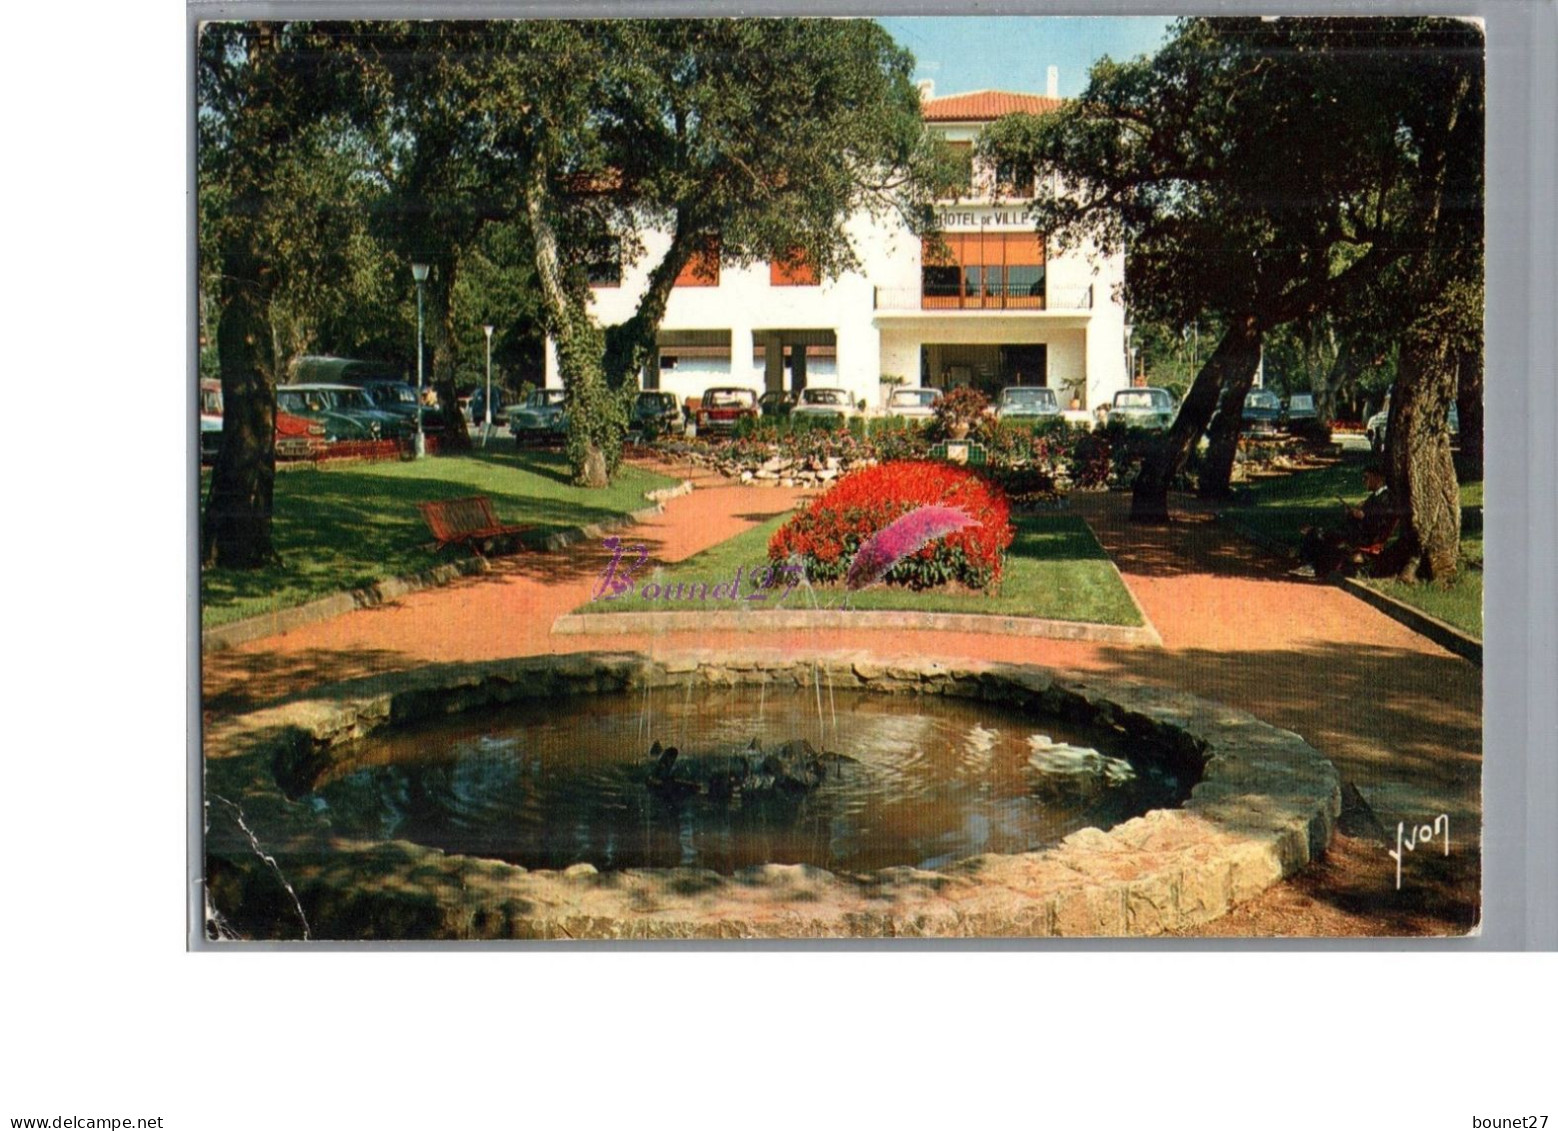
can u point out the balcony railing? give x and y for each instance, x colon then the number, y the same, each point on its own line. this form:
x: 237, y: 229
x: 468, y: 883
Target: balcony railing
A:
x: 1002, y: 297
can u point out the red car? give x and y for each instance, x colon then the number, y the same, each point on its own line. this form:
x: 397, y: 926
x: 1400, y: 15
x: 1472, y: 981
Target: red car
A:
x: 721, y: 409
x: 296, y: 436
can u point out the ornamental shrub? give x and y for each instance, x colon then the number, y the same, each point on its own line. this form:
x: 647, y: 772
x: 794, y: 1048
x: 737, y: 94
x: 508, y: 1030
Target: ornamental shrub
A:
x: 827, y: 535
x: 965, y: 405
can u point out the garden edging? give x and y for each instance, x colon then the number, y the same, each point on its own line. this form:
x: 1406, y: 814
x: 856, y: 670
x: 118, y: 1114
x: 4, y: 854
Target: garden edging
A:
x: 610, y: 624
x: 1447, y: 636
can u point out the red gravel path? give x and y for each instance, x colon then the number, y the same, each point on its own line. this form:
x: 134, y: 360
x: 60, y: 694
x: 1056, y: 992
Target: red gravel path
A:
x: 1399, y: 716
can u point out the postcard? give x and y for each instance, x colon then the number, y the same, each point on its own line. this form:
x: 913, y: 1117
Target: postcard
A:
x: 739, y: 479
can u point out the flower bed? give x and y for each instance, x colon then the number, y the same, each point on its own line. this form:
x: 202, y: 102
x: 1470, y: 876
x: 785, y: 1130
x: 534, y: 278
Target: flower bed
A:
x: 827, y: 535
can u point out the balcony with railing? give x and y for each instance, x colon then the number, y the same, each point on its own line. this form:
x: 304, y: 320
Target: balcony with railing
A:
x: 989, y: 297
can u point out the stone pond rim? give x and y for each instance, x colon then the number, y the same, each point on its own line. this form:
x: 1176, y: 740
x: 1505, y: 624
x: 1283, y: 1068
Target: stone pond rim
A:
x: 1264, y: 807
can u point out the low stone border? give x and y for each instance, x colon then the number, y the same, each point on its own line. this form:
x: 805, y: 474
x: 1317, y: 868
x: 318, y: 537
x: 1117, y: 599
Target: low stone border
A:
x: 1266, y: 806
x: 1447, y: 636
x: 609, y: 624
x: 237, y: 632
x: 666, y: 494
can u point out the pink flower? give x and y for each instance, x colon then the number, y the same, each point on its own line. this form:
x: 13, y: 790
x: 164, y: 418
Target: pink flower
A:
x: 896, y: 541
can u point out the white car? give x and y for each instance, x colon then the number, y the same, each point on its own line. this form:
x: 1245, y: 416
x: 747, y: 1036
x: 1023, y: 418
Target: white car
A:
x: 913, y: 404
x: 834, y: 405
x: 1378, y: 427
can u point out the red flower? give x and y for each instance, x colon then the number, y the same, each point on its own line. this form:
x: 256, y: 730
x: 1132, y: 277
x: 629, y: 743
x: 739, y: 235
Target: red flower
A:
x: 829, y: 533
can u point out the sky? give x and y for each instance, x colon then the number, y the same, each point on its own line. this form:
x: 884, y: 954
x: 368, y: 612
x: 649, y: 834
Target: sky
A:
x: 964, y: 53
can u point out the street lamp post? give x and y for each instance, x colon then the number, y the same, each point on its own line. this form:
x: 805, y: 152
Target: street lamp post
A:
x: 419, y: 273
x: 488, y: 331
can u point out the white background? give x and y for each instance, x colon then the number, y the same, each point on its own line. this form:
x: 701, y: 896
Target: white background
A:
x: 103, y: 1011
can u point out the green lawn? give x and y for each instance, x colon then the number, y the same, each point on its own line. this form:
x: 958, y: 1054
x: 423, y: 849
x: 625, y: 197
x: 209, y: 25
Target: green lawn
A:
x: 339, y: 528
x: 1055, y: 569
x: 1281, y: 506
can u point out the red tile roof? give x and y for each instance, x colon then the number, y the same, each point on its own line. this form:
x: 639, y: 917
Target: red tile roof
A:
x: 985, y: 106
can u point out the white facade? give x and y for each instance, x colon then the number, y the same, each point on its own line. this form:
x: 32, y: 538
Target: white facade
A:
x: 1067, y: 331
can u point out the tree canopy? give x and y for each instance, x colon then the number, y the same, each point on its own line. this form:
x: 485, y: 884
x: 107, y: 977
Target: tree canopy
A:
x: 742, y: 140
x: 1264, y: 172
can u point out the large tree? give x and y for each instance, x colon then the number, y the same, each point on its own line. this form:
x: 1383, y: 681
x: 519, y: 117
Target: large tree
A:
x: 263, y: 90
x: 745, y: 140
x: 1261, y: 171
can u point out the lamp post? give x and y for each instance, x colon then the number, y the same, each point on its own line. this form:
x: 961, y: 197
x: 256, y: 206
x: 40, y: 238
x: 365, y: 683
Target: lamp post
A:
x: 419, y: 273
x: 488, y: 331
x: 1130, y: 357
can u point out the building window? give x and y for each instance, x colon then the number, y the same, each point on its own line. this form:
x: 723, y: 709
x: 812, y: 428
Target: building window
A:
x: 795, y: 270
x: 702, y: 269
x: 603, y: 267
x: 983, y: 271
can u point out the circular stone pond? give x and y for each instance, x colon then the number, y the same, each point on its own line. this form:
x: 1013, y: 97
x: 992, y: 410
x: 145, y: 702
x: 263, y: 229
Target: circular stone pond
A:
x: 826, y: 796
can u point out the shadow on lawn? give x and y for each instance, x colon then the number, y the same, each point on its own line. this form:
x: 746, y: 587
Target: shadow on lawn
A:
x: 352, y: 528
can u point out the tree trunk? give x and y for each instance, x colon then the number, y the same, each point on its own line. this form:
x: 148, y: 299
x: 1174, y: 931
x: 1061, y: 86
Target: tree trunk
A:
x: 596, y: 420
x: 236, y: 533
x: 630, y: 345
x: 1216, y: 481
x: 440, y: 329
x: 1468, y: 402
x: 1334, y: 383
x: 1238, y: 351
x: 1418, y: 462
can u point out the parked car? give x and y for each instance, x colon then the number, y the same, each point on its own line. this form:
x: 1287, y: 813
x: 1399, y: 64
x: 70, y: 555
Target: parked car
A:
x: 1027, y: 403
x: 210, y: 419
x: 353, y: 401
x: 541, y: 418
x: 1144, y: 408
x: 775, y: 404
x: 1262, y: 410
x: 913, y: 403
x: 1378, y: 427
x: 834, y: 406
x: 656, y: 414
x: 397, y: 398
x: 719, y: 410
x: 296, y: 436
x: 1300, y: 407
x: 478, y: 408
x: 315, y: 403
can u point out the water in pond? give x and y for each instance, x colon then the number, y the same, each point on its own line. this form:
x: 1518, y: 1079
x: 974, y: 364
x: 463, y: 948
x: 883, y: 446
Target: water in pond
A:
x: 927, y: 781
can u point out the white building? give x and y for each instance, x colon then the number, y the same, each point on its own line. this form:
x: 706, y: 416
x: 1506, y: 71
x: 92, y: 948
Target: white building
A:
x: 1000, y: 309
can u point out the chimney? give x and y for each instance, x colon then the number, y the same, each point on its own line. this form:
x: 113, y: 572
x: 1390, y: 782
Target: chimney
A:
x: 927, y: 89
x: 1052, y: 86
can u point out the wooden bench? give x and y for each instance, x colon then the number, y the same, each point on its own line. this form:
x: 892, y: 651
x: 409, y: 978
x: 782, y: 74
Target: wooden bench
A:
x: 467, y: 522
